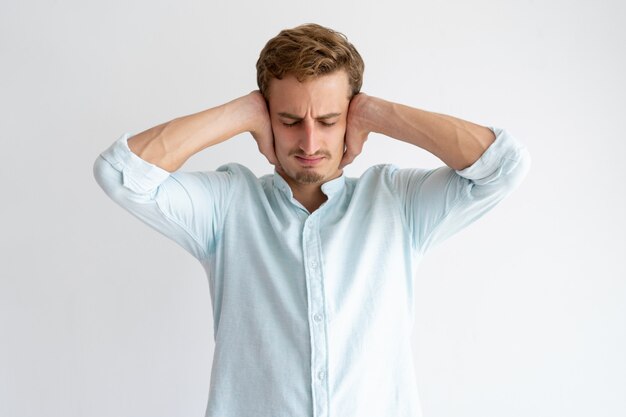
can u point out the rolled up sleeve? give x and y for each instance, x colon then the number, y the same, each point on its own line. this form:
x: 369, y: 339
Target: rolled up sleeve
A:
x: 187, y: 207
x: 137, y: 175
x: 439, y: 202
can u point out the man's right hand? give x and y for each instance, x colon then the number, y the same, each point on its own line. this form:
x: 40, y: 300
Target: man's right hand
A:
x: 261, y: 126
x: 170, y: 144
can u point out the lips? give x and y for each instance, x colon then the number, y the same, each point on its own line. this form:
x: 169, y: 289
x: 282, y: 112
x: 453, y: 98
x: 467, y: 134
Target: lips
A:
x: 309, y: 160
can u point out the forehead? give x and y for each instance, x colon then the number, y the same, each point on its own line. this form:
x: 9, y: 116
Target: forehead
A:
x: 319, y: 95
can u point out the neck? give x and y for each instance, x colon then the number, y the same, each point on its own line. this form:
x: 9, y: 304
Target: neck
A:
x: 309, y: 195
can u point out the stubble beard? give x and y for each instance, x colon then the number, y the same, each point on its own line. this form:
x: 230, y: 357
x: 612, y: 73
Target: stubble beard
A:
x: 308, y: 177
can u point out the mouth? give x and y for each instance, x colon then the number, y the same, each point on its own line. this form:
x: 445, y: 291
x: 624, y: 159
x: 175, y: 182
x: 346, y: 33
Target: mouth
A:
x: 309, y: 160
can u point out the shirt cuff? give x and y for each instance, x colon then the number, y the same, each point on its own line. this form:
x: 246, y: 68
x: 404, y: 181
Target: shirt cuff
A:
x: 488, y: 166
x: 137, y: 175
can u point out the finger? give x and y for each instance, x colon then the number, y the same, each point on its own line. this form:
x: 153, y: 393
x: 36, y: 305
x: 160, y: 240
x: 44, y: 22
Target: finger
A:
x: 353, y: 149
x: 271, y: 157
x: 271, y: 150
x: 268, y: 151
x: 348, y: 157
x: 265, y: 143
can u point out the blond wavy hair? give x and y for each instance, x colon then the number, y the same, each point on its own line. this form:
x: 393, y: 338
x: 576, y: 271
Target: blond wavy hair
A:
x: 309, y: 51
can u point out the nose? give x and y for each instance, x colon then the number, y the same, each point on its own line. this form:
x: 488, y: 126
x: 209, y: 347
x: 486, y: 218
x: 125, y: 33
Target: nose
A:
x: 309, y: 143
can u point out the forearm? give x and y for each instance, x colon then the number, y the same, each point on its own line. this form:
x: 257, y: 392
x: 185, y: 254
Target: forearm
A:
x: 170, y: 144
x: 458, y: 143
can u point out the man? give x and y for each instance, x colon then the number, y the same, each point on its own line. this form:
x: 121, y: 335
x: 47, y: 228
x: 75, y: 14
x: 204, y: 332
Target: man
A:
x: 310, y: 272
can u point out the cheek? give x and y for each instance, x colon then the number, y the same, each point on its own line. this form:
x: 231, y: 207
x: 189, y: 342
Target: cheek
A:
x: 282, y: 143
x: 339, y: 140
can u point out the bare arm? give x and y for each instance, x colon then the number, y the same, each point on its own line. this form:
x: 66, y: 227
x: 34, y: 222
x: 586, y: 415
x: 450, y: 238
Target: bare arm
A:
x: 170, y: 144
x: 458, y: 143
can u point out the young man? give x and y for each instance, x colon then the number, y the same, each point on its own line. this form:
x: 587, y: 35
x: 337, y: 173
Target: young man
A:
x: 310, y: 272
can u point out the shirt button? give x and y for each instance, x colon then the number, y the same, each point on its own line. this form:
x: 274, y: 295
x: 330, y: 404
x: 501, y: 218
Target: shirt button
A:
x: 321, y: 375
x: 317, y: 317
x: 313, y: 264
x: 309, y: 225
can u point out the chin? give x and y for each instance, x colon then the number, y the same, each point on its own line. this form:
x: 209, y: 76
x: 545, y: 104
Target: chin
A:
x: 308, y: 177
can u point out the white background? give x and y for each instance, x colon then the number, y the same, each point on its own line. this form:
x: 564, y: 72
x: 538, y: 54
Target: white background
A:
x: 521, y: 314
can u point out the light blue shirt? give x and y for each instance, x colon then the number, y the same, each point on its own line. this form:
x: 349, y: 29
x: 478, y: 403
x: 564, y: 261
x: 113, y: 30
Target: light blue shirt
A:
x: 313, y: 312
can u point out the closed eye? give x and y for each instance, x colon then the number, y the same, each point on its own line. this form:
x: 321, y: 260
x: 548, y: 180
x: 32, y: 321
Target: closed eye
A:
x: 292, y: 124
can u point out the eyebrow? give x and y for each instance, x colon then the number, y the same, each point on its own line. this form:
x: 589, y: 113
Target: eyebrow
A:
x: 295, y: 117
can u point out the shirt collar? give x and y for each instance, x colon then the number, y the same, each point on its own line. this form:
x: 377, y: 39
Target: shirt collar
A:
x: 332, y: 187
x: 329, y: 188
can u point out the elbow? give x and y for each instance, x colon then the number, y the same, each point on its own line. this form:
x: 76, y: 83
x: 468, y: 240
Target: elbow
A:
x: 98, y: 169
x: 514, y: 172
x: 521, y: 168
x: 107, y: 177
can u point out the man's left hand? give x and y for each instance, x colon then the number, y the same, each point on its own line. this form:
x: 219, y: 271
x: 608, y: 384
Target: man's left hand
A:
x: 356, y: 130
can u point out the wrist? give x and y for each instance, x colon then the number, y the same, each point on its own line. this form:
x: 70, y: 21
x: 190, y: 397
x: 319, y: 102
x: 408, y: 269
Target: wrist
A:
x: 375, y: 114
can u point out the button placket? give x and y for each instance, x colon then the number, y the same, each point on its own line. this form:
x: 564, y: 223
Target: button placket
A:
x: 319, y: 355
